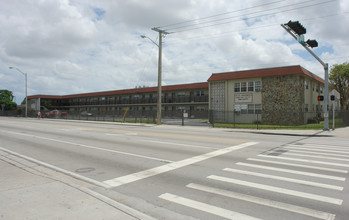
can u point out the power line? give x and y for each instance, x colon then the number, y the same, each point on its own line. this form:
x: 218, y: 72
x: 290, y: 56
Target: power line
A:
x: 252, y: 28
x: 217, y: 15
x: 222, y: 23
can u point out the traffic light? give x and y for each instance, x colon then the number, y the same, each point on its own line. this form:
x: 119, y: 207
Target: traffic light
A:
x: 320, y: 98
x: 296, y: 27
x: 312, y: 43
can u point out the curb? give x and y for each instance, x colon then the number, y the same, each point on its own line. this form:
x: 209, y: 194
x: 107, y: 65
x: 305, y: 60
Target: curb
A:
x: 121, y: 207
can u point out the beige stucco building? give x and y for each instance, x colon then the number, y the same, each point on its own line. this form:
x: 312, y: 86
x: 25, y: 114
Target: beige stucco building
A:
x: 282, y: 95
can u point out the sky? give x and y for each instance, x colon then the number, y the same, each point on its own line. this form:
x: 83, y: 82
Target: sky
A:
x: 80, y: 46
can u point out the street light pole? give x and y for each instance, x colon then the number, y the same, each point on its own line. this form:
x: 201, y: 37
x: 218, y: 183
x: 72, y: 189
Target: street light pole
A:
x: 312, y: 43
x: 158, y: 107
x: 26, y: 89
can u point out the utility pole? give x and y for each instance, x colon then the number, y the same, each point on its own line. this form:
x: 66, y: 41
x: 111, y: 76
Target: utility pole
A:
x: 158, y: 112
x: 296, y: 30
x: 26, y: 88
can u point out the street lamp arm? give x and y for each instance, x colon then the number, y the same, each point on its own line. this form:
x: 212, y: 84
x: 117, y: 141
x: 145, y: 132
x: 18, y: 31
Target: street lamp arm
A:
x: 143, y: 36
x: 26, y: 88
x: 11, y: 67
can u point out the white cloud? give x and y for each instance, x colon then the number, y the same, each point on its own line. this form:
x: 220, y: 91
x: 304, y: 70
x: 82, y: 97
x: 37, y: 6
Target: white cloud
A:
x: 74, y: 46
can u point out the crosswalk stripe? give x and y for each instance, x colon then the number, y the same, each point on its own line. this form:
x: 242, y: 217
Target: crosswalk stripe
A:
x: 309, y: 183
x: 206, y: 207
x: 279, y: 190
x: 299, y: 165
x: 304, y: 160
x: 316, y: 152
x: 119, y: 181
x: 317, y: 147
x: 265, y: 202
x: 316, y: 156
x: 292, y: 171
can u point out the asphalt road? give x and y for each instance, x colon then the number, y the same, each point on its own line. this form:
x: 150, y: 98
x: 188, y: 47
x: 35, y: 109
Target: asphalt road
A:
x: 174, y: 172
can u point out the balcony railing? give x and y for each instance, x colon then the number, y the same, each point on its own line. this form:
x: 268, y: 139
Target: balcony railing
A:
x: 139, y: 101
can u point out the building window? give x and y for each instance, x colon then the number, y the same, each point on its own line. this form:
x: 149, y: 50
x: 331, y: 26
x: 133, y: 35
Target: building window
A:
x: 181, y: 94
x: 258, y: 108
x: 200, y: 93
x: 258, y: 86
x: 243, y: 87
x: 321, y: 90
x: 306, y: 84
x: 306, y: 108
x: 237, y: 87
x: 250, y: 86
x: 250, y: 108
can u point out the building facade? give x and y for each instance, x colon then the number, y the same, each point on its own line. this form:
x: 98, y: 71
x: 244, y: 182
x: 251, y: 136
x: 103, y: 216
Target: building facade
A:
x: 281, y: 95
x: 192, y: 98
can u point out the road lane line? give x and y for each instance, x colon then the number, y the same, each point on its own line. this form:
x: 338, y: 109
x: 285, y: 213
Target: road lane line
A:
x: 303, y: 182
x: 264, y: 202
x: 299, y: 165
x: 292, y: 171
x: 92, y: 147
x: 184, y: 145
x: 172, y: 166
x: 279, y: 190
x: 134, y: 132
x: 72, y: 174
x: 206, y: 207
x: 303, y: 160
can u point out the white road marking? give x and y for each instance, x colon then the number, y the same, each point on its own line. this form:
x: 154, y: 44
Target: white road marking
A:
x: 124, y: 134
x: 109, y: 134
x: 279, y: 190
x: 304, y: 160
x: 316, y: 156
x: 184, y: 145
x: 318, y: 149
x: 318, y: 153
x: 206, y: 207
x: 265, y: 202
x: 300, y: 165
x: 304, y: 182
x: 92, y: 147
x: 292, y: 171
x: 95, y: 182
x: 174, y: 165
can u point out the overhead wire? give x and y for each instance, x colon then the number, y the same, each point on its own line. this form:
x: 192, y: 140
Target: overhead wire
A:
x: 217, y: 15
x: 239, y: 20
x: 250, y: 28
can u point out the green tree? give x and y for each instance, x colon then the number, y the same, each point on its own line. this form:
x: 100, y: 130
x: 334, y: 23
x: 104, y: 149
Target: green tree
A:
x: 6, y: 98
x: 339, y: 78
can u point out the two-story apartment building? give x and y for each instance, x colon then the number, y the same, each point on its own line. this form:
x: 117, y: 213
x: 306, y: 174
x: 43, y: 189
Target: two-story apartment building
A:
x: 282, y: 95
x: 175, y: 98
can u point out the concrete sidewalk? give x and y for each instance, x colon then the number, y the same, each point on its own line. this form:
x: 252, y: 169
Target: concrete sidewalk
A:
x: 30, y: 191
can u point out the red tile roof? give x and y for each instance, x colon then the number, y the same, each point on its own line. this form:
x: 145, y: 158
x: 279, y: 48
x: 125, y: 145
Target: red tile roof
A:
x: 202, y: 85
x: 276, y: 71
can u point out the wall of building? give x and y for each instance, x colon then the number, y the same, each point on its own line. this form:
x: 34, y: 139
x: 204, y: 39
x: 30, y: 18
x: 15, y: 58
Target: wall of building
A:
x: 283, y: 99
x: 241, y: 99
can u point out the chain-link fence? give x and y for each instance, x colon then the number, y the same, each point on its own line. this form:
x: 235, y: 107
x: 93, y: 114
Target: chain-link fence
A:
x: 277, y: 119
x: 175, y: 117
x: 232, y: 119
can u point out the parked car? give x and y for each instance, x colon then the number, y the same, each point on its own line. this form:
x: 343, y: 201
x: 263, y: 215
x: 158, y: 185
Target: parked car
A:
x: 85, y: 113
x: 55, y: 113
